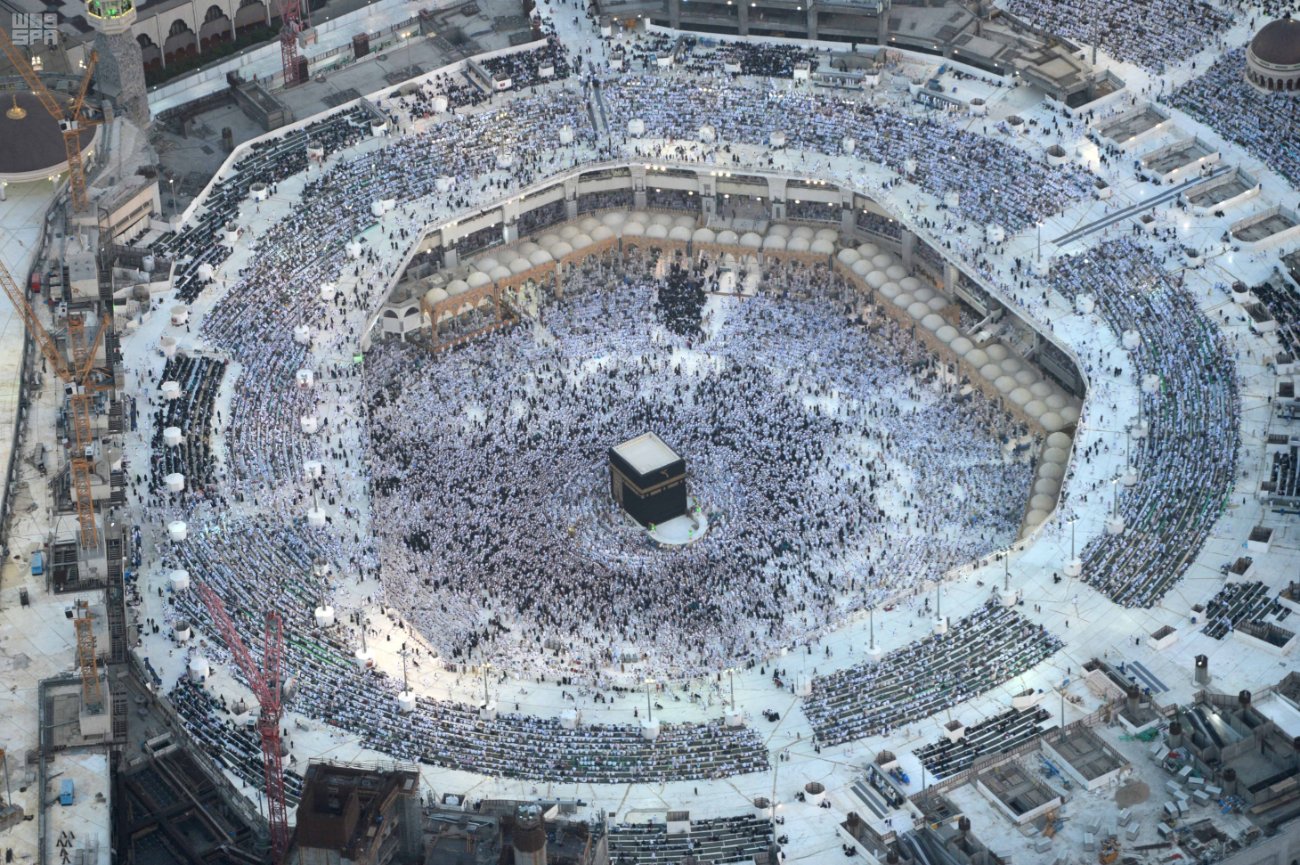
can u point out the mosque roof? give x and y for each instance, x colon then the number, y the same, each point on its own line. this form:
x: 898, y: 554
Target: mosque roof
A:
x: 1278, y: 42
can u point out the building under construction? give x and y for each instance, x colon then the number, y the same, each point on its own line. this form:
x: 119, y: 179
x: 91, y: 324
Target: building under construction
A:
x: 354, y: 815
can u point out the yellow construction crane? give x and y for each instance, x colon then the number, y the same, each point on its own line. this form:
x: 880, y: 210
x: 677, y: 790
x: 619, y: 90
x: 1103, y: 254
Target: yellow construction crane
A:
x: 91, y: 694
x: 70, y: 119
x: 78, y: 375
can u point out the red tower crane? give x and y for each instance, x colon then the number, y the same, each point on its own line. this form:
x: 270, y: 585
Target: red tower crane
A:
x: 266, y: 687
x: 291, y: 25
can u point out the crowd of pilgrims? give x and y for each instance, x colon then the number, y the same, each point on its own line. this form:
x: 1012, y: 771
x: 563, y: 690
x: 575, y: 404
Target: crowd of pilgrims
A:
x: 977, y: 653
x: 257, y: 564
x: 1150, y: 34
x: 836, y: 462
x: 940, y: 468
x: 194, y: 414
x: 269, y: 162
x: 679, y: 301
x: 1188, y: 459
x: 304, y: 249
x: 1265, y: 124
x: 997, y: 182
x: 524, y: 68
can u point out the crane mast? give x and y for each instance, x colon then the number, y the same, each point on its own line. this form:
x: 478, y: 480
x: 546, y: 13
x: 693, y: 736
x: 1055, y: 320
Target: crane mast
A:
x: 265, y: 684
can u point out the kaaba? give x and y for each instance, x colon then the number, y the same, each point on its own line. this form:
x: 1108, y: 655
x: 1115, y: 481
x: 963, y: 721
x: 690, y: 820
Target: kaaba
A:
x: 648, y: 479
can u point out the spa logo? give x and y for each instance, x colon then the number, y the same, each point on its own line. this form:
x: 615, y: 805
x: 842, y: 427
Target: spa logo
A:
x: 35, y: 28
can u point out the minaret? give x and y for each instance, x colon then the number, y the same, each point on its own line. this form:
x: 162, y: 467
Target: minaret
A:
x: 121, y: 68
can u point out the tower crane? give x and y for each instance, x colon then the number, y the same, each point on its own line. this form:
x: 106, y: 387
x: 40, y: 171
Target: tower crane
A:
x: 265, y: 683
x: 71, y: 121
x: 92, y: 695
x: 291, y: 24
x: 79, y: 375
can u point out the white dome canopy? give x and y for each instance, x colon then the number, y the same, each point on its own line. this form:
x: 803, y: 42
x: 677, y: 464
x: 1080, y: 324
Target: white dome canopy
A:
x: 1059, y: 440
x: 775, y: 241
x: 478, y: 279
x: 1052, y: 422
x: 679, y: 232
x: 704, y: 235
x: 657, y: 231
x: 751, y: 239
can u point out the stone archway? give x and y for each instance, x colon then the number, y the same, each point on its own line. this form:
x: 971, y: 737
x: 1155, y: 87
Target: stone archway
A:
x: 150, y: 53
x: 181, y: 42
x: 216, y: 27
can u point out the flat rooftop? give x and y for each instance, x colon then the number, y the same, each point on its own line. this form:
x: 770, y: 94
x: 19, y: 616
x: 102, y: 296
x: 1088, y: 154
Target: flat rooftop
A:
x: 1274, y: 224
x: 1087, y: 753
x: 1234, y: 185
x: 1174, y: 159
x: 1015, y: 788
x: 1131, y: 127
x: 1281, y: 712
x: 646, y: 452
